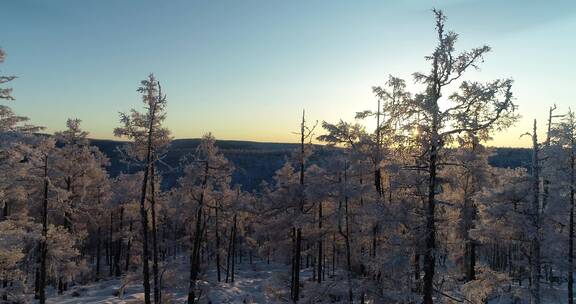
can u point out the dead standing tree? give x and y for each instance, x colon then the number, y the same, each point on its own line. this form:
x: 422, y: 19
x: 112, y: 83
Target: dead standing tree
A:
x: 306, y: 134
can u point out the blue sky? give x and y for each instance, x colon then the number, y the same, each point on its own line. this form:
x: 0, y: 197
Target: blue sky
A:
x: 245, y: 69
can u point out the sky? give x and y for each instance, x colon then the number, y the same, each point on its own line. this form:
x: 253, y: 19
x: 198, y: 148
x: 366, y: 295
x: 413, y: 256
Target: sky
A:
x: 245, y: 69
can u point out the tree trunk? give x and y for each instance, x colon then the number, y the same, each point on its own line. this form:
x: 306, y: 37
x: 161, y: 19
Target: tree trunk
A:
x: 233, y: 270
x: 144, y: 224
x: 345, y: 233
x: 229, y: 254
x: 430, y: 237
x: 195, y: 256
x: 297, y: 232
x: 216, y: 230
x: 571, y: 228
x: 348, y: 255
x: 157, y: 289
x: 320, y: 236
x: 374, y: 241
x: 417, y: 270
x: 111, y: 245
x: 43, y: 242
x: 293, y: 261
x: 297, y: 257
x: 98, y: 249
x: 118, y: 254
x: 377, y: 170
x: 128, y: 249
x: 535, y: 214
x: 165, y: 227
x: 6, y: 210
x: 67, y: 214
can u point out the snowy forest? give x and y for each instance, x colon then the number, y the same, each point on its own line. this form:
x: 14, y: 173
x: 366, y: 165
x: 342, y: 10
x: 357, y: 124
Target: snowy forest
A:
x: 400, y: 205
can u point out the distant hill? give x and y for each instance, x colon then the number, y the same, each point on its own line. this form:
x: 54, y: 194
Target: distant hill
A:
x: 256, y: 162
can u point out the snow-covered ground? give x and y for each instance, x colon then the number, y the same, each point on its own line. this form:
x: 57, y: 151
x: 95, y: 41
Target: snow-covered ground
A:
x: 101, y: 292
x: 254, y: 283
x: 258, y: 282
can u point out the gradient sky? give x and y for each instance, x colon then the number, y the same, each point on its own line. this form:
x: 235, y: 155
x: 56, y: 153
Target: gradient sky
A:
x: 245, y: 69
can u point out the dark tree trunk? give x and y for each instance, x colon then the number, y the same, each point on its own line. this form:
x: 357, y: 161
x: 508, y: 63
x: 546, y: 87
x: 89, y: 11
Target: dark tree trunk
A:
x: 165, y: 227
x: 144, y: 224
x: 297, y: 257
x: 216, y: 230
x: 128, y: 248
x: 417, y: 270
x: 98, y: 249
x: 535, y: 215
x: 297, y: 232
x: 292, y: 261
x: 37, y: 278
x: 374, y: 239
x: 571, y: 228
x: 118, y: 255
x: 233, y: 270
x: 377, y: 170
x: 5, y: 294
x: 229, y: 254
x: 6, y: 210
x: 347, y: 240
x: 195, y: 256
x: 333, y: 253
x: 60, y: 286
x: 349, y: 269
x: 107, y: 251
x: 111, y: 245
x: 43, y: 242
x: 157, y: 289
x: 320, y: 243
x: 430, y: 237
x: 471, y: 263
x: 67, y: 214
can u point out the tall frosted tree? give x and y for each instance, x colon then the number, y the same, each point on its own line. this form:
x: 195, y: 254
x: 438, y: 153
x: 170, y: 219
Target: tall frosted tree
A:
x: 563, y: 135
x: 41, y: 157
x: 148, y: 136
x: 12, y: 129
x: 16, y: 227
x: 439, y: 117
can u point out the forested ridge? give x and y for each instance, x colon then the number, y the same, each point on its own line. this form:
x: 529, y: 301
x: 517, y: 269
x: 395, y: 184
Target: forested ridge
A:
x: 256, y: 162
x: 404, y: 204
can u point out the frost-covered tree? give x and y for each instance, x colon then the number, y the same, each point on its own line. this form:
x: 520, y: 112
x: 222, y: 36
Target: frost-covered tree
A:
x: 503, y: 224
x: 46, y: 197
x: 206, y: 171
x: 563, y: 137
x: 9, y: 121
x: 82, y: 174
x: 383, y: 138
x: 149, y: 138
x: 19, y: 233
x: 475, y: 107
x: 468, y: 174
